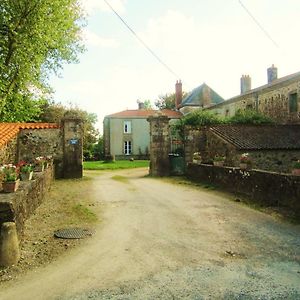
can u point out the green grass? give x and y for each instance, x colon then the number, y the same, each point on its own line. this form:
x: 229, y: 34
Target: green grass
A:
x: 119, y: 164
x: 84, y: 213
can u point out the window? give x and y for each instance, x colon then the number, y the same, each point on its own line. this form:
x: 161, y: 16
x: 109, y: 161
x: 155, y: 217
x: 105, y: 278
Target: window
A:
x: 127, y: 147
x: 127, y: 126
x: 293, y: 102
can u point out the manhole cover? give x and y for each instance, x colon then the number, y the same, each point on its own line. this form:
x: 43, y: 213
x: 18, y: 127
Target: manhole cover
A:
x: 73, y: 233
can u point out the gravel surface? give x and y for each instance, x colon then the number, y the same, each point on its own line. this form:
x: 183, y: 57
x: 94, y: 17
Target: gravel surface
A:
x: 160, y: 240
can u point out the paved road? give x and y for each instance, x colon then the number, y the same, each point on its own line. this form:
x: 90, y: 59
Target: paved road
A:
x: 159, y: 240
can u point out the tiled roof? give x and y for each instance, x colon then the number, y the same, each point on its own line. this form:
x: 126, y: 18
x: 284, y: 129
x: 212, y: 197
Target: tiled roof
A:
x: 260, y: 137
x: 201, y: 96
x: 9, y: 130
x: 145, y: 113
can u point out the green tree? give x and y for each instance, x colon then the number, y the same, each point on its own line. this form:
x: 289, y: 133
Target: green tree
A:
x: 98, y: 149
x: 36, y: 38
x: 147, y: 104
x: 167, y: 101
x: 53, y: 112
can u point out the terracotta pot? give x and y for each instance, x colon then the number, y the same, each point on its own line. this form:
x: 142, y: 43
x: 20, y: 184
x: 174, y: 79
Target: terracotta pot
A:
x: 26, y: 176
x: 219, y: 163
x: 296, y: 172
x: 244, y: 166
x: 39, y: 168
x: 10, y: 186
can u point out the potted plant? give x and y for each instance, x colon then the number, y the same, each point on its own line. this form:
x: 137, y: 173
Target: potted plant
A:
x: 39, y: 164
x: 197, y: 158
x: 26, y: 170
x: 219, y: 160
x: 10, y: 177
x: 296, y: 168
x: 48, y: 161
x: 245, y: 161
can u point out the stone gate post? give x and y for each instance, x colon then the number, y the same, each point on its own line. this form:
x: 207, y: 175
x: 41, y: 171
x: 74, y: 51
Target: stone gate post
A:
x: 159, y: 145
x: 72, y: 147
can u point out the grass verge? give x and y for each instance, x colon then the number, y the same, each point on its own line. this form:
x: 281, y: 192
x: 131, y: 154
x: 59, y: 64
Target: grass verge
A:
x: 115, y: 165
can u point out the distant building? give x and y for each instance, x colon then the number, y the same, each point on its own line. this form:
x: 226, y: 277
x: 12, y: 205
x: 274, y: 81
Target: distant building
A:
x: 127, y: 133
x: 201, y: 97
x: 278, y: 99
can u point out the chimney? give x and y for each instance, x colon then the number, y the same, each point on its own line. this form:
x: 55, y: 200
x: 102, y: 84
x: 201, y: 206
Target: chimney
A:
x: 245, y: 83
x: 141, y: 104
x: 178, y: 93
x: 272, y: 74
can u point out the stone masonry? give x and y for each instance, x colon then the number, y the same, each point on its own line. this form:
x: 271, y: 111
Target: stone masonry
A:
x: 159, y: 145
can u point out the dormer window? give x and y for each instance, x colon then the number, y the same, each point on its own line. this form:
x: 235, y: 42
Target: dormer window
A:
x: 127, y: 126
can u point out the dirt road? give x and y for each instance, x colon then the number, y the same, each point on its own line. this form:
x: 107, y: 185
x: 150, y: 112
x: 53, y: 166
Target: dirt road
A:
x: 161, y: 240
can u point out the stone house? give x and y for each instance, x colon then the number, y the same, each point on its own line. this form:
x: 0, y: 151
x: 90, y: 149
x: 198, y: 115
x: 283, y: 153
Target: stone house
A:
x: 278, y: 99
x: 127, y: 133
x: 272, y: 148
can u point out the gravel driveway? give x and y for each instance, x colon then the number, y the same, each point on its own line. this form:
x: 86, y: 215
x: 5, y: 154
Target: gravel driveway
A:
x: 161, y: 240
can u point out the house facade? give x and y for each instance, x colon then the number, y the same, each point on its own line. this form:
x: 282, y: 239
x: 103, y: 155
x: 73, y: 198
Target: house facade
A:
x: 126, y: 133
x: 278, y: 99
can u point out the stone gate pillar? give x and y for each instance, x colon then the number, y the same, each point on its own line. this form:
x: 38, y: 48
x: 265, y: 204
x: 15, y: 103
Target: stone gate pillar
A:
x: 72, y: 147
x: 159, y: 145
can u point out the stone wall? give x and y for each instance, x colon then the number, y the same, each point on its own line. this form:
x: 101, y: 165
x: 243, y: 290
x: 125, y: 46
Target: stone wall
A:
x: 8, y: 152
x: 17, y: 207
x: 264, y: 188
x: 209, y: 145
x: 159, y: 145
x: 42, y: 142
x: 72, y: 148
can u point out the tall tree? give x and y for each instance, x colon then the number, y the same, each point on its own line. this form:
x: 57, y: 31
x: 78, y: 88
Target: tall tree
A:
x: 36, y: 38
x: 53, y: 112
x: 167, y: 101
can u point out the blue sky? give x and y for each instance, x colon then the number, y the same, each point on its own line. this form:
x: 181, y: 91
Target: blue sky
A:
x: 212, y: 41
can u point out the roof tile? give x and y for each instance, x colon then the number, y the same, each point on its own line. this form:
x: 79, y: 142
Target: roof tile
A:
x: 260, y: 137
x: 9, y: 130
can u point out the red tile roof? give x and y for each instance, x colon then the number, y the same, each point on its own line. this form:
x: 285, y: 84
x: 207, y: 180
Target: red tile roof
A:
x: 145, y: 113
x: 9, y: 130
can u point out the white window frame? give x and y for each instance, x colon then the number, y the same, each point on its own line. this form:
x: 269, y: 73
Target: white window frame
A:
x: 127, y: 127
x: 127, y: 147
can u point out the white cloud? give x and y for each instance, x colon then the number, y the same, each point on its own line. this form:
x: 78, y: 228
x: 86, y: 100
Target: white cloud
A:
x: 92, y: 6
x: 207, y: 51
x: 93, y: 39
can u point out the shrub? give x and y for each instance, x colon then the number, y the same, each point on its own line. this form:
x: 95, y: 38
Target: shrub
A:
x: 249, y: 116
x: 296, y: 164
x: 199, y: 118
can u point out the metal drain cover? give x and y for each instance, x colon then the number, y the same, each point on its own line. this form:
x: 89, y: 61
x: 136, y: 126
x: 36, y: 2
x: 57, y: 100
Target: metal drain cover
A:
x: 73, y: 233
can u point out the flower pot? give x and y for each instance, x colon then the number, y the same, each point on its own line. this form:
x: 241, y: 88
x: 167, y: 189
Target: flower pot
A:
x: 26, y: 176
x: 245, y: 166
x: 197, y: 161
x: 10, y: 186
x: 39, y: 168
x: 296, y: 172
x: 219, y: 163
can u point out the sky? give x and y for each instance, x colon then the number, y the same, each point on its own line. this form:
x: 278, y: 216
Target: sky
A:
x: 211, y: 41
